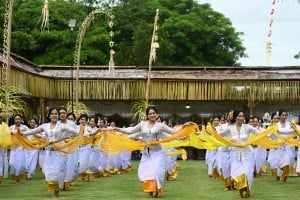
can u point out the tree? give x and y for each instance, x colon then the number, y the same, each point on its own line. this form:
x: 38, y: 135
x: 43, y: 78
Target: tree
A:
x: 297, y: 56
x: 189, y: 33
x: 56, y: 44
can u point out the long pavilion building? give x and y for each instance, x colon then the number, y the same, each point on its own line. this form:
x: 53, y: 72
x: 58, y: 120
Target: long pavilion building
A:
x: 207, y: 90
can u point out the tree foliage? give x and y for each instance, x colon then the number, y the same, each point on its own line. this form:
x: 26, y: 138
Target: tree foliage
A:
x: 189, y: 34
x: 297, y: 56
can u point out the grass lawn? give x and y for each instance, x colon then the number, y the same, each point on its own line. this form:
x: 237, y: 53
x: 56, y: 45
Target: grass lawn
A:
x: 192, y: 183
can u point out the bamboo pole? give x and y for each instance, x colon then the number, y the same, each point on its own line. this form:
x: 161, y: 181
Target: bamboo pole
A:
x: 5, y: 70
x: 85, y: 24
x: 154, y: 46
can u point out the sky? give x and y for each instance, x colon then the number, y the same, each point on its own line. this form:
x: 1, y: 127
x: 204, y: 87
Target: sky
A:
x: 252, y: 17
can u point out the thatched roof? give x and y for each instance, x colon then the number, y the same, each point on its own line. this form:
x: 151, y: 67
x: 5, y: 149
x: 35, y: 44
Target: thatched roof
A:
x: 167, y: 83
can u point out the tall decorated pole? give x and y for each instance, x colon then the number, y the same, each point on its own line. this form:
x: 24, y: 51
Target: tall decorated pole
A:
x: 80, y: 107
x: 152, y: 56
x: 11, y: 100
x: 269, y: 43
x: 5, y: 112
x: 5, y: 70
x: 139, y: 107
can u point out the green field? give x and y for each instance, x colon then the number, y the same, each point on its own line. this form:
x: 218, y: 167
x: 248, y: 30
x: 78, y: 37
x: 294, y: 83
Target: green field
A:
x: 192, y: 183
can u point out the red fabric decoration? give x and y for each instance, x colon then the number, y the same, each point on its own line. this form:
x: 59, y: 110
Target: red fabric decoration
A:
x: 270, y: 33
x: 271, y: 22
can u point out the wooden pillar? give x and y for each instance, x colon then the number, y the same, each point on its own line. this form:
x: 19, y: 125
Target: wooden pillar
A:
x: 250, y: 106
x: 41, y: 110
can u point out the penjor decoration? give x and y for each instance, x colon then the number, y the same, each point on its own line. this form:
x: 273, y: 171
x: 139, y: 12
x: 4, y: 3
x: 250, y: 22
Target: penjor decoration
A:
x: 139, y: 107
x: 11, y: 100
x: 85, y: 24
x: 269, y: 43
x: 152, y: 57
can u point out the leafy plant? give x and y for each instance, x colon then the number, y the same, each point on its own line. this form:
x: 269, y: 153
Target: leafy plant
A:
x: 78, y: 108
x: 139, y: 110
x: 12, y: 101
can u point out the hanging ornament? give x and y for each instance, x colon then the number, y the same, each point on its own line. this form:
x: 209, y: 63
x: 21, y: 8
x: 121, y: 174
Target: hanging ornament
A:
x: 269, y: 43
x: 270, y: 33
x: 111, y: 64
x: 269, y: 51
x: 45, y: 16
x: 154, y: 43
x: 271, y: 22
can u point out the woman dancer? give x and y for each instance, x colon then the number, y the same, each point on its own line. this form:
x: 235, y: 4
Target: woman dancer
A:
x: 54, y: 168
x: 286, y: 154
x: 225, y: 155
x: 151, y: 169
x: 31, y: 155
x: 95, y: 169
x: 84, y: 149
x: 260, y: 153
x: 71, y: 167
x: 243, y: 163
x: 212, y: 160
x: 17, y: 161
x: 273, y: 156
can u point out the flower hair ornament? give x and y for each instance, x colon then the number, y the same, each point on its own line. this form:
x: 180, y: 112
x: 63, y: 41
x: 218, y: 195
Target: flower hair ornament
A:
x: 230, y: 115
